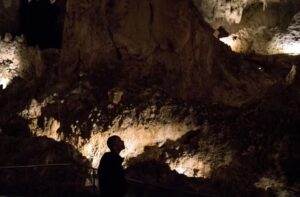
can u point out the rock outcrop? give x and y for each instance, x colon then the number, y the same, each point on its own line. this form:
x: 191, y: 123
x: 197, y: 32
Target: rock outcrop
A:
x: 260, y: 26
x: 191, y: 112
x: 167, y: 39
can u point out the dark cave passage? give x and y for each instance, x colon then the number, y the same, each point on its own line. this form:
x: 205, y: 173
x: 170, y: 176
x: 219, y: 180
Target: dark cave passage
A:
x: 42, y: 22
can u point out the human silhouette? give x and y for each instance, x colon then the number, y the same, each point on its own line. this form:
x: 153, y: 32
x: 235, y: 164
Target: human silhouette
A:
x: 111, y: 174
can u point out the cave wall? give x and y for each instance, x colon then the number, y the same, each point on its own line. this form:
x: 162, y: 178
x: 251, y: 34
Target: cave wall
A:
x: 147, y: 36
x: 232, y: 13
x: 9, y: 16
x: 256, y: 26
x: 40, y: 21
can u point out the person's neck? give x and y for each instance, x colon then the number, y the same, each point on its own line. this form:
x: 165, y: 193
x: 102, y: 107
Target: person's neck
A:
x: 115, y: 151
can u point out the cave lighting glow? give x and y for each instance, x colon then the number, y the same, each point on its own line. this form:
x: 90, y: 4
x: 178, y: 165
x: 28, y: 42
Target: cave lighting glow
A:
x: 276, y: 47
x: 291, y: 48
x: 190, y: 166
x: 234, y: 44
x: 142, y: 140
x: 10, y: 62
x: 4, y: 82
x: 136, y: 138
x: 227, y: 40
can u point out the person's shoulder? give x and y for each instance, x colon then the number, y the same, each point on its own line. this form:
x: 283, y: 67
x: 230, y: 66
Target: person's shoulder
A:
x: 106, y: 155
x: 105, y: 159
x: 110, y: 155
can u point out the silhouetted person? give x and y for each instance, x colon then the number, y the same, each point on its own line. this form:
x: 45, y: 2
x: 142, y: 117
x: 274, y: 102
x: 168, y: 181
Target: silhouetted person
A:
x: 111, y: 174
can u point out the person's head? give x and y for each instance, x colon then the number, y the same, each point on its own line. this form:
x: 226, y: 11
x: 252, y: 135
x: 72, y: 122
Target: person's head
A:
x: 115, y: 144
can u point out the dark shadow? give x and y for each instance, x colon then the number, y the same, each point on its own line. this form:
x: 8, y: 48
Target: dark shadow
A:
x: 42, y: 22
x: 65, y: 180
x: 13, y: 100
x: 17, y: 127
x: 155, y: 178
x: 222, y: 32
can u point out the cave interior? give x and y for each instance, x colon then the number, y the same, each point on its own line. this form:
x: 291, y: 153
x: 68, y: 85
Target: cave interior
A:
x: 205, y: 95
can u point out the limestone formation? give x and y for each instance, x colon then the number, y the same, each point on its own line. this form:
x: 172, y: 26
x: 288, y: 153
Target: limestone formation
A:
x: 193, y: 114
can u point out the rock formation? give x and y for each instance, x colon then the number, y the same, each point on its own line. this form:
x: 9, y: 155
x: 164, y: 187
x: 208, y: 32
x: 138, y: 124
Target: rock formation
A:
x: 188, y: 108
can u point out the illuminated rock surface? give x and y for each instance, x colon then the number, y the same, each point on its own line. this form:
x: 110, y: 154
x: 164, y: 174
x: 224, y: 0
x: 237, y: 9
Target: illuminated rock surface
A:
x: 192, y: 114
x: 264, y: 27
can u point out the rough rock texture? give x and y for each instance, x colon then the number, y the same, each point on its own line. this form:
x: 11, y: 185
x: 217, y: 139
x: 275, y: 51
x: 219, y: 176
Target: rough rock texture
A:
x: 18, y: 60
x: 9, y: 16
x: 212, y: 145
x: 254, y: 27
x: 139, y: 124
x: 232, y: 145
x: 162, y: 43
x: 287, y: 41
x: 152, y: 72
x: 264, y: 40
x: 233, y: 12
x: 172, y: 45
